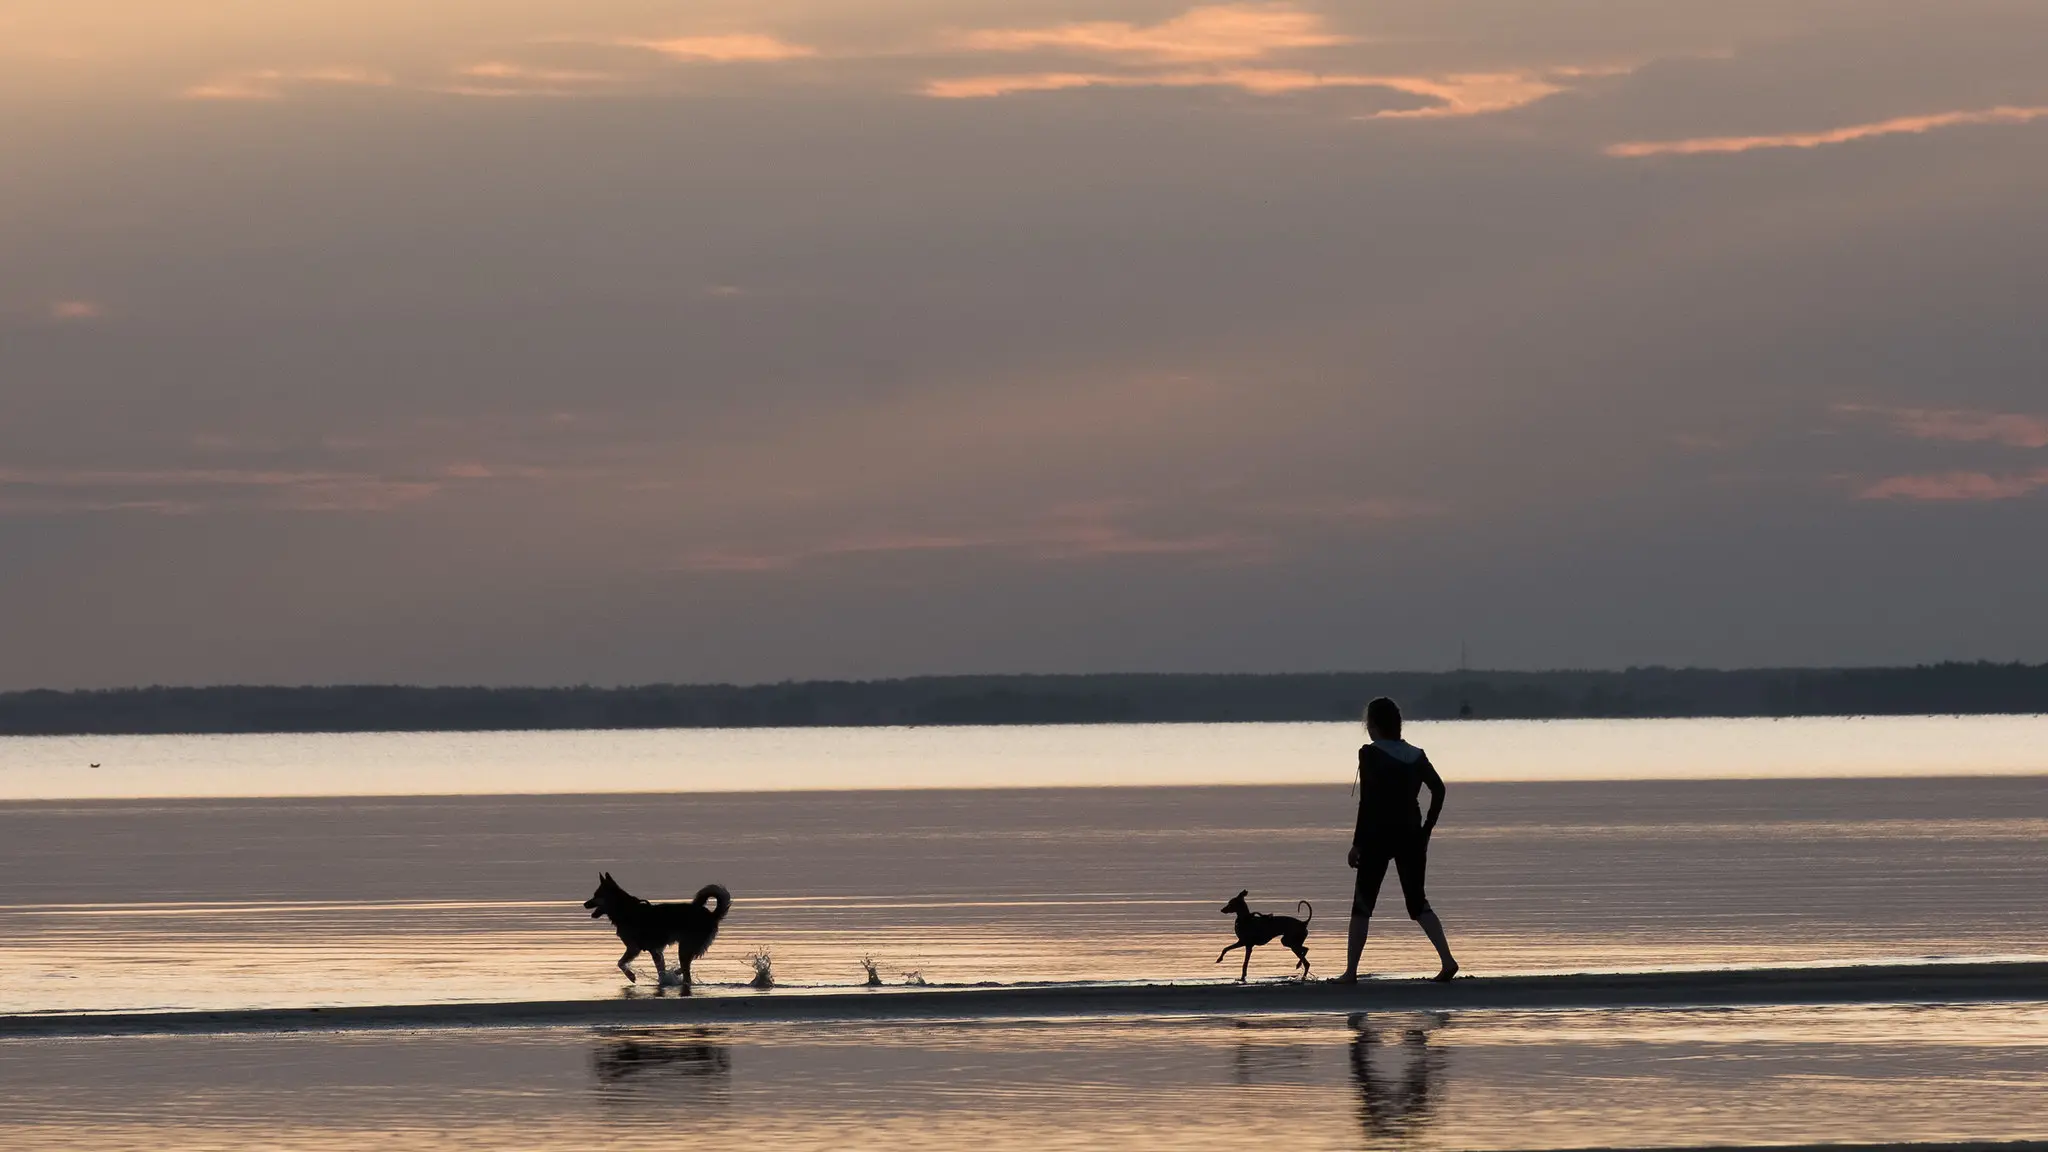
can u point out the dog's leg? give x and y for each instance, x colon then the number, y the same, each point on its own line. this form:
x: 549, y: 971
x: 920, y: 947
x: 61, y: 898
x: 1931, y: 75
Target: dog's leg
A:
x: 662, y: 979
x: 683, y: 954
x: 1227, y: 948
x: 626, y: 965
x: 1245, y: 972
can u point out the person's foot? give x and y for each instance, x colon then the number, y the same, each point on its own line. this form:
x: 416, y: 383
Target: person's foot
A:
x: 1450, y: 970
x: 1346, y: 978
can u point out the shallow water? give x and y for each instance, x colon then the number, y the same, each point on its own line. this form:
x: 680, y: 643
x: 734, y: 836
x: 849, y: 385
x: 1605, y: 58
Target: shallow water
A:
x: 1471, y: 1080
x: 109, y: 904
x: 1085, y: 755
x: 221, y: 904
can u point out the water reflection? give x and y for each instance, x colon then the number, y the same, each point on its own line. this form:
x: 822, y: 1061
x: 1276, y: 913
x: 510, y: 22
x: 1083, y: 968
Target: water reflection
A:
x: 1255, y: 1059
x: 1398, y: 1076
x: 649, y: 1065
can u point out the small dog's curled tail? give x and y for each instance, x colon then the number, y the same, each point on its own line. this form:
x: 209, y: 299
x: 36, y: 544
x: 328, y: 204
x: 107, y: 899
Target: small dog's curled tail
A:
x: 1311, y: 910
x: 715, y: 892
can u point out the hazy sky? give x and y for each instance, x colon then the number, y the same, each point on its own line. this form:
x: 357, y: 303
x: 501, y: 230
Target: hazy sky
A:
x: 549, y: 341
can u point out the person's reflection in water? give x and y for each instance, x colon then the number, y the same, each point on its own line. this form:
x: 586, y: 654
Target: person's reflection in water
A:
x: 1399, y: 1078
x: 682, y: 1066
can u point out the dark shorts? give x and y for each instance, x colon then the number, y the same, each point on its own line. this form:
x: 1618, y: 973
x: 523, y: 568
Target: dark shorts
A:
x: 1410, y: 858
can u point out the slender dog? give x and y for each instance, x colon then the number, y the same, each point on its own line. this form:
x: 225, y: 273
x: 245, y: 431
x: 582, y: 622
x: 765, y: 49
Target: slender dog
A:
x: 1256, y: 928
x: 651, y: 928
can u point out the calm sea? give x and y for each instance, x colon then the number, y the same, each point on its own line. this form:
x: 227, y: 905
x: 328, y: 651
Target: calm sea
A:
x: 1072, y: 756
x: 195, y: 872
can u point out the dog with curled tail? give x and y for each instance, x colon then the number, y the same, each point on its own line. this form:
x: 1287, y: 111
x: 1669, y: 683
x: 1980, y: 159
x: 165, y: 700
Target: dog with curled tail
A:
x: 1256, y: 928
x: 644, y: 926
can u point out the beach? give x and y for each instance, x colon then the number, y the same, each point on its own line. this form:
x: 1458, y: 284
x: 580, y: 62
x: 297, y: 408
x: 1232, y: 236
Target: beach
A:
x: 1930, y: 984
x: 1650, y: 962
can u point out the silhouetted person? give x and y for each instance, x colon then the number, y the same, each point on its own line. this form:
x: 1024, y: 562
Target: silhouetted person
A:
x: 1391, y: 827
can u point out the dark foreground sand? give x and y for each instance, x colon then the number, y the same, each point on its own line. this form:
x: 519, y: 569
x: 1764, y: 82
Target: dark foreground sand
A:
x: 1859, y: 984
x: 1941, y: 1146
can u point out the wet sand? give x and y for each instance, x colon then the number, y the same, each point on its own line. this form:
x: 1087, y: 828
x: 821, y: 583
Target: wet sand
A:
x: 1854, y: 984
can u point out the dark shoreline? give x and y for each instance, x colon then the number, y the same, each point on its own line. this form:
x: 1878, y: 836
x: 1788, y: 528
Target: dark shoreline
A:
x: 1982, y: 982
x: 1136, y: 698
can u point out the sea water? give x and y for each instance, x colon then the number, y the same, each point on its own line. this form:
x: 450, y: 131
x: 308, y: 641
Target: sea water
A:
x: 187, y: 900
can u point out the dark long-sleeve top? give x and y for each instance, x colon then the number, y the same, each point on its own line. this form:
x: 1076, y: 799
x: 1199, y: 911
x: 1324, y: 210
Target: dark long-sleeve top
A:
x: 1388, y: 792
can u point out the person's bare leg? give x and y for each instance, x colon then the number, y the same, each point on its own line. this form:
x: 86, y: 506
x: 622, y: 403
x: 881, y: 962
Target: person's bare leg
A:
x: 1354, y: 946
x: 1434, y: 928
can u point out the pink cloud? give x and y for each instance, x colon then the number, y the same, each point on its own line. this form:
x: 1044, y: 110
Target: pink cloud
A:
x: 1956, y: 486
x: 734, y: 562
x: 1903, y: 125
x: 1085, y: 543
x: 73, y: 311
x: 737, y: 48
x: 506, y: 78
x: 357, y: 495
x: 184, y: 491
x: 520, y: 73
x: 1961, y: 425
x: 1071, y: 533
x: 1369, y: 510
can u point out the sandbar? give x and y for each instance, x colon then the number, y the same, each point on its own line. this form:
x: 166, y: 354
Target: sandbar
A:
x: 1924, y: 983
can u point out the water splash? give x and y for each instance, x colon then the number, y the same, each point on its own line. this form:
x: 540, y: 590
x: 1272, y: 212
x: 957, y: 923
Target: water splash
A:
x: 763, y: 963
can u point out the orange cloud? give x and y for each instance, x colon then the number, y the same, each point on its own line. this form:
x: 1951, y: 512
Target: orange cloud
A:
x: 1213, y: 33
x: 272, y: 83
x: 1264, y: 82
x: 1901, y: 126
x: 739, y: 48
x: 1956, y: 486
x: 1210, y: 46
x: 1474, y: 93
x: 1454, y: 95
x: 1962, y: 425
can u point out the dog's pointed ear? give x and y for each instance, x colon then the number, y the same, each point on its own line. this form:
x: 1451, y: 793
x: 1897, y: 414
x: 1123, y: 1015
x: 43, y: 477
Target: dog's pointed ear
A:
x: 1243, y: 894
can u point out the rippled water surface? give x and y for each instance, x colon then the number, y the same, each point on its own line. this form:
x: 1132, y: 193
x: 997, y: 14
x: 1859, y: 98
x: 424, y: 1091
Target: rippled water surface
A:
x: 1470, y: 1080
x: 230, y: 903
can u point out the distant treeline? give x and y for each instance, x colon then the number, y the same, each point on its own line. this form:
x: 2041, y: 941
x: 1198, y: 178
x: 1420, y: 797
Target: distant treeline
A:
x: 1171, y: 698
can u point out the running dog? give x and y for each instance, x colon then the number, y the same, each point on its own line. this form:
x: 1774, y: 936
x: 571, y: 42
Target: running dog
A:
x: 1256, y: 928
x: 651, y: 928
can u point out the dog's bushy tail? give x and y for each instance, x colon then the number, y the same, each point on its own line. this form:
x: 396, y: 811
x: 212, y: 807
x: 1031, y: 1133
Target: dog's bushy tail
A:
x: 715, y: 892
x: 1311, y: 910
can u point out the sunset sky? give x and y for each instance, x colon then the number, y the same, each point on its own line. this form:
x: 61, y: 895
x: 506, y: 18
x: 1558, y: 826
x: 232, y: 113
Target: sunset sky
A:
x: 540, y: 341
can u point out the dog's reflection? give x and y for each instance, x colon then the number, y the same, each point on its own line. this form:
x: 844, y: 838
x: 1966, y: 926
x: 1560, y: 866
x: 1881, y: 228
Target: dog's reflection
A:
x: 1397, y: 1073
x: 643, y: 1062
